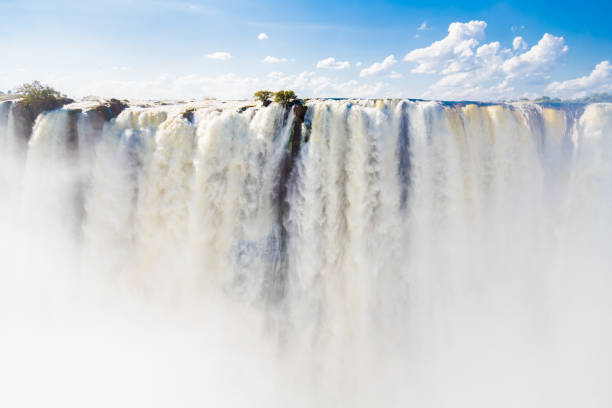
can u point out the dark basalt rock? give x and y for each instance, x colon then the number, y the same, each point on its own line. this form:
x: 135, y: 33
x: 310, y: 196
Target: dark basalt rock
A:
x: 293, y: 150
x: 116, y: 107
x: 188, y: 114
x: 73, y: 131
x: 244, y: 108
x: 25, y: 114
x: 100, y: 114
x: 276, y: 283
x: 5, y: 107
x: 300, y: 113
x: 295, y: 140
x: 266, y: 103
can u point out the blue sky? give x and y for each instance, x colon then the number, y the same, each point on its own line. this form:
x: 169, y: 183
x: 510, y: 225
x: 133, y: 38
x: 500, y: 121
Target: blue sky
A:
x: 192, y: 49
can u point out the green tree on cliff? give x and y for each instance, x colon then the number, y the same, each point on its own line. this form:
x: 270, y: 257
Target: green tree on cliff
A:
x: 284, y: 97
x: 39, y: 97
x: 263, y: 95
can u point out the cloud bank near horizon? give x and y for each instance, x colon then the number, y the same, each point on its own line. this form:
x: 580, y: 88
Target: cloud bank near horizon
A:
x: 461, y: 65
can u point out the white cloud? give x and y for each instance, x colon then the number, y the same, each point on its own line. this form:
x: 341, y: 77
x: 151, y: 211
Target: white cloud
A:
x: 599, y: 80
x: 233, y: 86
x: 331, y: 63
x: 423, y: 26
x: 262, y: 36
x: 219, y: 55
x: 276, y: 74
x: 379, y: 67
x: 309, y: 83
x: 455, y: 49
x: 470, y: 70
x: 358, y: 64
x: 395, y: 75
x: 274, y: 60
x: 540, y: 58
x: 305, y: 84
x: 519, y: 44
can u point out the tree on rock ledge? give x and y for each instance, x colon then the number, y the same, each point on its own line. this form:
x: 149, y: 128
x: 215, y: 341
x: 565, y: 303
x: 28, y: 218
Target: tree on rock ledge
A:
x: 284, y: 97
x: 263, y: 96
x: 35, y: 98
x: 38, y: 98
x: 37, y: 93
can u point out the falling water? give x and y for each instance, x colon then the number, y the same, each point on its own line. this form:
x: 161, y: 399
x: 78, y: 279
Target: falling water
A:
x: 413, y: 254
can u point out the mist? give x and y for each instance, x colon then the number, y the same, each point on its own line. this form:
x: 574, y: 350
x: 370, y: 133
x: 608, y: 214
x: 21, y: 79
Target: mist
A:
x: 409, y: 253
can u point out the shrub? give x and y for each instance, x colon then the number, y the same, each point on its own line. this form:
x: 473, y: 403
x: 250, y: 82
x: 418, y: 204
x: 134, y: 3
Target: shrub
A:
x: 284, y: 97
x: 32, y: 100
x: 263, y: 95
x: 39, y: 97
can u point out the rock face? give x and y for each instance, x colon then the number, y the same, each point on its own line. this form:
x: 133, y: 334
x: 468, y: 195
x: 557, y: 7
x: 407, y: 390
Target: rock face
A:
x: 116, y: 107
x: 244, y: 108
x: 105, y: 112
x: 5, y: 107
x: 276, y: 291
x: 293, y: 150
x: 300, y: 114
x: 188, y: 114
x: 293, y: 147
x: 73, y: 131
x: 25, y: 114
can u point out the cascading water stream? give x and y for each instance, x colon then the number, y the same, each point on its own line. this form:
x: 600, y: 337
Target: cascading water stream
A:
x: 417, y: 253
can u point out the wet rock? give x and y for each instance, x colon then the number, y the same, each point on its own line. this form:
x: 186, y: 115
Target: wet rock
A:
x: 296, y: 139
x: 275, y: 285
x: 5, y: 107
x: 25, y: 114
x: 116, y: 107
x: 73, y: 131
x: 100, y: 114
x: 244, y: 108
x: 188, y: 114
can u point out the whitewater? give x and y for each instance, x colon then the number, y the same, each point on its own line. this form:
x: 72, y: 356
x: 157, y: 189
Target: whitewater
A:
x: 373, y: 253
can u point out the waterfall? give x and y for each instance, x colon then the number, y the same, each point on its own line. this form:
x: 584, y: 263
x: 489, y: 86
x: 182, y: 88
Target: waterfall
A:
x: 414, y: 253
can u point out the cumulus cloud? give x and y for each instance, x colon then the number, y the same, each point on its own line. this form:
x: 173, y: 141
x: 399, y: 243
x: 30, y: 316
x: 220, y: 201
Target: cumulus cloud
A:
x: 395, y: 75
x: 331, y: 63
x: 519, y: 44
x: 423, y: 26
x: 219, y: 55
x: 358, y: 64
x: 599, y: 80
x: 540, y: 58
x: 262, y: 36
x: 452, y: 52
x: 233, y: 86
x: 274, y: 60
x: 379, y: 67
x: 483, y: 71
x: 309, y: 83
